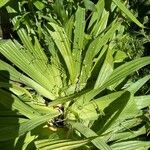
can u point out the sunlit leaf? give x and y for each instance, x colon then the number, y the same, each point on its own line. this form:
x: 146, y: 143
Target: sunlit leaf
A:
x: 3, y: 2
x: 87, y: 132
x: 131, y: 145
x: 127, y: 12
x: 60, y: 144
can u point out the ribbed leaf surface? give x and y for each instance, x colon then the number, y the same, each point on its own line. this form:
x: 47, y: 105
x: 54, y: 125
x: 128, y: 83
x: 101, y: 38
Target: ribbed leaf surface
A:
x: 131, y: 145
x: 106, y: 70
x: 87, y: 132
x: 133, y: 88
x: 127, y: 12
x: 60, y: 38
x: 13, y: 131
x: 14, y: 75
x: 12, y: 102
x: 118, y: 74
x: 78, y: 43
x: 21, y: 58
x: 60, y: 144
x: 142, y: 101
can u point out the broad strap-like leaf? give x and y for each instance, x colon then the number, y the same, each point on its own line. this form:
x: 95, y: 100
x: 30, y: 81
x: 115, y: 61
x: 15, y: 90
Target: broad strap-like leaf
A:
x: 131, y: 145
x: 78, y: 42
x: 102, y: 24
x: 56, y: 67
x: 126, y: 135
x: 119, y: 73
x: 93, y: 49
x: 142, y: 101
x: 89, y: 5
x: 106, y: 70
x: 123, y: 126
x: 96, y: 16
x: 127, y: 12
x: 87, y: 132
x: 95, y: 107
x: 112, y: 112
x: 35, y: 49
x: 104, y: 101
x: 26, y: 140
x: 10, y: 73
x: 13, y: 131
x: 13, y: 102
x: 61, y: 40
x: 22, y: 58
x: 134, y: 87
x: 26, y: 39
x: 3, y: 2
x: 69, y: 27
x: 60, y: 144
x: 16, y: 89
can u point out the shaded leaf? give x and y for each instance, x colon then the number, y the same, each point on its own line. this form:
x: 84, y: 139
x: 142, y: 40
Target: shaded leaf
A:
x: 14, y: 103
x: 10, y: 132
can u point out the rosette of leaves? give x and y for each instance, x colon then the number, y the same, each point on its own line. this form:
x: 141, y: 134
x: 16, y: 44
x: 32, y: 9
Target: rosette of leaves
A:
x: 72, y: 92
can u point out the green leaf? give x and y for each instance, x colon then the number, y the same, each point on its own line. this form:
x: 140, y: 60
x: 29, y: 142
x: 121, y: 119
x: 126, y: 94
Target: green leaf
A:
x: 60, y: 38
x: 134, y: 87
x: 131, y: 145
x: 21, y: 58
x: 60, y: 144
x: 78, y: 42
x: 112, y: 112
x: 12, y: 102
x: 16, y: 89
x: 127, y: 68
x: 69, y: 27
x: 38, y: 4
x: 106, y: 70
x: 59, y: 9
x: 104, y: 101
x: 94, y: 108
x: 122, y: 126
x: 118, y: 74
x: 3, y: 2
x: 89, y: 5
x: 127, y: 135
x: 96, y: 14
x: 10, y: 132
x: 26, y: 140
x: 100, y: 24
x: 87, y: 132
x: 93, y: 49
x: 8, y: 72
x: 142, y: 101
x: 127, y: 12
x: 34, y: 48
x: 119, y: 56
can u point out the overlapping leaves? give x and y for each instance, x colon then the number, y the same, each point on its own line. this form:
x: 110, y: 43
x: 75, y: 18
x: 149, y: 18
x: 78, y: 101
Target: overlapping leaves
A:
x: 74, y: 67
